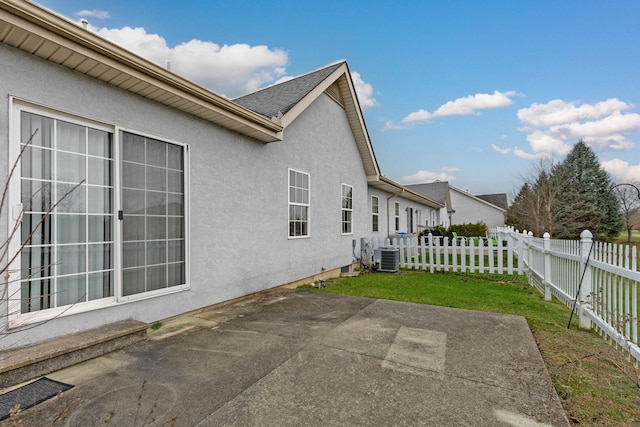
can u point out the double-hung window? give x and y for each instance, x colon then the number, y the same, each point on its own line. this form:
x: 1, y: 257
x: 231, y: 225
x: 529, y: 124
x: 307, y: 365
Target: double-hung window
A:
x: 347, y: 209
x: 375, y: 213
x: 298, y: 204
x: 68, y: 214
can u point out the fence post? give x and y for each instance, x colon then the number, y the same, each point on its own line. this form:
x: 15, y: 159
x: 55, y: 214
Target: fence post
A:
x: 523, y: 252
x: 509, y: 250
x: 530, y: 251
x: 584, y: 298
x: 546, y: 273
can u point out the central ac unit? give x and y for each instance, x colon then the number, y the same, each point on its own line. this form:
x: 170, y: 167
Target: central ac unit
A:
x: 387, y: 259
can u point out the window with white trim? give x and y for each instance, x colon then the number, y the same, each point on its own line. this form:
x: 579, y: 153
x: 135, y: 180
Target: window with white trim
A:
x: 68, y: 193
x: 375, y: 213
x: 347, y: 209
x: 298, y: 204
x: 396, y: 210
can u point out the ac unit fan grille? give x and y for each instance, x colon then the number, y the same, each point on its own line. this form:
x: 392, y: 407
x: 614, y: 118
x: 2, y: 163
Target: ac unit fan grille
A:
x: 388, y: 259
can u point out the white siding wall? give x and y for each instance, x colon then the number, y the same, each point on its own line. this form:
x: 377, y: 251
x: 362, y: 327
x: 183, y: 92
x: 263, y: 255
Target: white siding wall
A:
x: 238, y: 191
x: 470, y: 210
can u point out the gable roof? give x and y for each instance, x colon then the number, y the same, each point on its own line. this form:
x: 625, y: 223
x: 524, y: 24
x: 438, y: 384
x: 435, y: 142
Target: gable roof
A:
x: 437, y: 190
x: 498, y: 199
x: 285, y: 101
x: 278, y: 99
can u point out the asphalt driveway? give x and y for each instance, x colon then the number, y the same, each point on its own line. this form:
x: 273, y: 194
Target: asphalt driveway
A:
x: 289, y: 358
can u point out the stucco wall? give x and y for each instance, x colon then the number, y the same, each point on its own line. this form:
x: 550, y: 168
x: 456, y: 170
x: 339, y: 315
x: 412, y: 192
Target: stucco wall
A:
x: 238, y: 191
x: 469, y: 210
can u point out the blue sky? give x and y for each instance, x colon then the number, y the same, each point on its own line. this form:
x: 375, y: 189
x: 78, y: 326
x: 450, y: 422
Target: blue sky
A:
x: 474, y: 92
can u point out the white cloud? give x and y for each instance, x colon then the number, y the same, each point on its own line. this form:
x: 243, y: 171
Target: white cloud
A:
x: 558, y: 112
x: 500, y: 150
x: 230, y: 70
x: 418, y: 116
x: 364, y: 91
x: 480, y: 101
x: 391, y: 126
x: 556, y: 126
x: 423, y: 176
x: 449, y: 169
x: 614, y: 142
x: 98, y: 14
x: 621, y: 170
x: 530, y: 156
x: 464, y: 106
x: 542, y: 142
x: 613, y: 124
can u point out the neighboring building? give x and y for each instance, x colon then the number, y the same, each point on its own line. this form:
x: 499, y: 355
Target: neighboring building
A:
x: 438, y: 191
x: 463, y: 207
x: 184, y: 198
x: 398, y: 210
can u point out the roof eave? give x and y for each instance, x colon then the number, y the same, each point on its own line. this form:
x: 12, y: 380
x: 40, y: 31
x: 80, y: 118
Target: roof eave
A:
x: 38, y: 31
x: 389, y: 186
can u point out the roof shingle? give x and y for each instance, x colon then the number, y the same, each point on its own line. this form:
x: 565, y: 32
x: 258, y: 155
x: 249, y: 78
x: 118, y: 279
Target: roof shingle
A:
x: 278, y: 99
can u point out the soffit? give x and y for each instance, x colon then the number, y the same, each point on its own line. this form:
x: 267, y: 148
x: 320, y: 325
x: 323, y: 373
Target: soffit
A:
x: 35, y: 30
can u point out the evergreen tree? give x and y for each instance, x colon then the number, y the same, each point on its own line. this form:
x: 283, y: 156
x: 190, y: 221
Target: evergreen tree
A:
x: 568, y: 198
x: 586, y: 200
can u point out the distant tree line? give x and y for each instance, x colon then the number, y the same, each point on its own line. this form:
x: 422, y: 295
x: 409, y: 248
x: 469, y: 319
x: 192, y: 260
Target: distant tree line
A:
x: 566, y: 198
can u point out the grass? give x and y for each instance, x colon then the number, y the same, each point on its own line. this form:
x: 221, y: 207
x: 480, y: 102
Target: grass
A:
x: 635, y: 236
x: 156, y: 325
x: 598, y: 386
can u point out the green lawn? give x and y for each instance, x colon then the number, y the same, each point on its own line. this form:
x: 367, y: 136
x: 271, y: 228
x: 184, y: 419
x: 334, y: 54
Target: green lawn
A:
x: 595, y: 382
x: 623, y: 237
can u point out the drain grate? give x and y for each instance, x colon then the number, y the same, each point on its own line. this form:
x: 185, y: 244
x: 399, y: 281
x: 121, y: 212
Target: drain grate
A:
x: 30, y: 395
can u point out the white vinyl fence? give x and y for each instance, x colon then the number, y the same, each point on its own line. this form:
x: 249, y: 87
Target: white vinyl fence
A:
x: 600, y: 279
x: 434, y: 253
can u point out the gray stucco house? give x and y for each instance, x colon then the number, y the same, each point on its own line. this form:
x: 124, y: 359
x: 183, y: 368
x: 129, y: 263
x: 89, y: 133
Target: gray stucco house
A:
x: 139, y: 194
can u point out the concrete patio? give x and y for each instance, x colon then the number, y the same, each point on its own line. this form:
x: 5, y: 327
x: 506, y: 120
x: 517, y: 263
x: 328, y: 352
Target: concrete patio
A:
x: 288, y: 358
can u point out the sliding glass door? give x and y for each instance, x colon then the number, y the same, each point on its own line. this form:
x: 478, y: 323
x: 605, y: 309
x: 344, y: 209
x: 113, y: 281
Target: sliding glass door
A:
x: 67, y: 194
x: 153, y: 217
x: 103, y: 214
